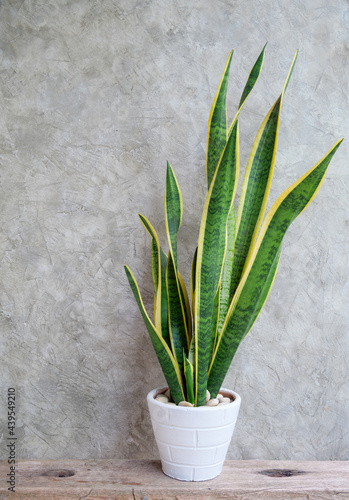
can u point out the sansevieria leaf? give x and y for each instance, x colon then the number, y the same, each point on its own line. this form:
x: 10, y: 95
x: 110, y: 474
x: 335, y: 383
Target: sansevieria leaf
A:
x: 173, y: 211
x: 176, y: 319
x: 256, y: 185
x: 193, y: 278
x: 159, y: 272
x: 210, y: 257
x: 226, y: 281
x: 159, y: 264
x: 189, y: 380
x: 251, y: 81
x: 168, y: 364
x: 252, y: 78
x: 258, y: 278
x: 217, y: 124
x: 186, y: 305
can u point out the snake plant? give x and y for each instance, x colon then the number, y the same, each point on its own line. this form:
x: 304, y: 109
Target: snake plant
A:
x: 237, y: 255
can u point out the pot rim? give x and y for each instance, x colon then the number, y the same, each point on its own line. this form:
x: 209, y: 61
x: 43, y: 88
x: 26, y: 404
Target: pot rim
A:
x: 160, y: 390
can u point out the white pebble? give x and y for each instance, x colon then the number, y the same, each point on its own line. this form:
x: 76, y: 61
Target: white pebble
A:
x: 224, y: 401
x: 185, y: 403
x: 161, y: 398
x: 219, y: 396
x: 208, y: 396
x: 212, y: 402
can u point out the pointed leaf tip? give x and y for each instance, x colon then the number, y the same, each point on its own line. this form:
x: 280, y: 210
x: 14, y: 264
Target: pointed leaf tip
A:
x: 217, y: 124
x: 252, y: 79
x: 290, y: 72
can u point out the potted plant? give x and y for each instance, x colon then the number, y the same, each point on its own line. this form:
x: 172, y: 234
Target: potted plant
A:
x: 234, y: 267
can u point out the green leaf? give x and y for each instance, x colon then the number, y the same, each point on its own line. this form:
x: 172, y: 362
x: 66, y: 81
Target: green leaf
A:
x: 168, y: 364
x: 186, y: 305
x: 173, y: 210
x: 255, y: 189
x: 191, y: 355
x: 193, y: 279
x: 251, y: 81
x: 256, y: 186
x: 176, y: 318
x: 226, y: 282
x: 217, y: 124
x: 189, y: 379
x: 214, y: 322
x: 290, y: 72
x: 161, y: 302
x: 232, y: 337
x: 259, y: 275
x: 252, y: 78
x: 210, y: 257
x: 158, y: 272
x: 155, y: 266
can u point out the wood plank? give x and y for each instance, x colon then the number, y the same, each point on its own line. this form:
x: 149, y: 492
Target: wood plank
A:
x: 144, y: 480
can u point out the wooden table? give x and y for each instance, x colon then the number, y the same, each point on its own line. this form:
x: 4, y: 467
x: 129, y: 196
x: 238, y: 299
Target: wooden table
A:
x: 144, y: 480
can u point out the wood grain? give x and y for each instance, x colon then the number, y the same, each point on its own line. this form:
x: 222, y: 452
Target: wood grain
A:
x: 144, y: 480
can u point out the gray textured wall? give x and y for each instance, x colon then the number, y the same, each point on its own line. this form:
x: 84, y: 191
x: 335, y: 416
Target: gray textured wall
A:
x: 95, y: 97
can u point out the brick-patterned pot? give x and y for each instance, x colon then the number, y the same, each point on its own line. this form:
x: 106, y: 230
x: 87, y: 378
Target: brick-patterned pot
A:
x: 193, y: 442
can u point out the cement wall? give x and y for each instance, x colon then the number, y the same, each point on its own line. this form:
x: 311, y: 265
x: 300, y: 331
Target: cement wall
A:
x: 95, y: 97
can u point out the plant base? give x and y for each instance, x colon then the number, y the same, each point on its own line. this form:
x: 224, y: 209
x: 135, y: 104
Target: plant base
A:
x: 193, y: 442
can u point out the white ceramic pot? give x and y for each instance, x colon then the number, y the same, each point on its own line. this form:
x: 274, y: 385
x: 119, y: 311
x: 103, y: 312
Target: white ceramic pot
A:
x: 193, y: 442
